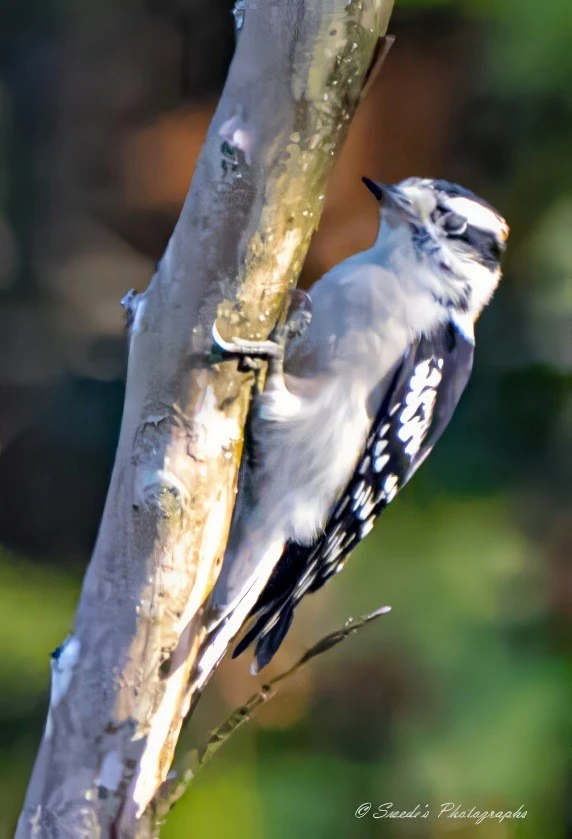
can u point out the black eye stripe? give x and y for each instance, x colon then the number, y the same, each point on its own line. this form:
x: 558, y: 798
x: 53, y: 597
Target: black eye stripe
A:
x: 484, y: 242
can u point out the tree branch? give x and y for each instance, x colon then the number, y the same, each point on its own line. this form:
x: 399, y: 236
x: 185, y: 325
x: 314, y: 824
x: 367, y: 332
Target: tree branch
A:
x: 186, y: 769
x: 120, y: 683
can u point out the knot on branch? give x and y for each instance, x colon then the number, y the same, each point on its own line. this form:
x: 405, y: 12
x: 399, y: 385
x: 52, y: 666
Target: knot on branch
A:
x: 160, y: 480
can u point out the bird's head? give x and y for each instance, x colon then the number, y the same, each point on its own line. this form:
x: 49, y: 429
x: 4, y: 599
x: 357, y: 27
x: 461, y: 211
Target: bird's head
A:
x: 453, y: 231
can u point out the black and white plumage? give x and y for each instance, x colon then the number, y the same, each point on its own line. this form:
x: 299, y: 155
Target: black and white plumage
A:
x: 366, y: 393
x: 416, y: 410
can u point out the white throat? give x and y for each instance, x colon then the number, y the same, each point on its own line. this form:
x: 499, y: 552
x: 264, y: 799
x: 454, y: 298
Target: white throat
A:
x: 396, y: 248
x: 465, y: 281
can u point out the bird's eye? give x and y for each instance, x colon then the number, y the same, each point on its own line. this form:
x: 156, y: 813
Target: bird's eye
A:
x: 454, y: 224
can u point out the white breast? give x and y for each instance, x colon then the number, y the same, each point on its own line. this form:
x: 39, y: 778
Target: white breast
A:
x: 363, y: 321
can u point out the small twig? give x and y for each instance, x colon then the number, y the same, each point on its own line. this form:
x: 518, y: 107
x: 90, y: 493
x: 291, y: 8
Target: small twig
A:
x: 180, y: 778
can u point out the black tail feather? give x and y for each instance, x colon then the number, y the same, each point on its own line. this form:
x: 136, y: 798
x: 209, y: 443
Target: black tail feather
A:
x: 253, y: 633
x: 274, y: 609
x: 269, y: 641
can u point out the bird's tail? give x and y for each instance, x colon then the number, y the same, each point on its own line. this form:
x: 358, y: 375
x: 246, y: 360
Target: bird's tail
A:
x: 269, y: 630
x: 231, y: 604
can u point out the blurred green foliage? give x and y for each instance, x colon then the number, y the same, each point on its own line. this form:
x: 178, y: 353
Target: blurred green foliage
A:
x: 487, y: 706
x: 482, y: 705
x: 36, y: 611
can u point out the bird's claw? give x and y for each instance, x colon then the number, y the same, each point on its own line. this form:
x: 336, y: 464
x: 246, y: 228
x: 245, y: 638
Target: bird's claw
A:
x: 294, y: 324
x: 244, y: 347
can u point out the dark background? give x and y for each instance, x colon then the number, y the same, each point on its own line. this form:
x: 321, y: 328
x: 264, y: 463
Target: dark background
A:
x: 461, y: 694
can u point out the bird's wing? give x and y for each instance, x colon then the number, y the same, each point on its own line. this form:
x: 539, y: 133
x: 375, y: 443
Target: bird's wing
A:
x: 415, y: 411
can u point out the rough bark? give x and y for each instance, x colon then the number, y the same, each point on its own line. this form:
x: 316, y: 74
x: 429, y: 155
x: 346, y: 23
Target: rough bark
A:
x: 120, y: 687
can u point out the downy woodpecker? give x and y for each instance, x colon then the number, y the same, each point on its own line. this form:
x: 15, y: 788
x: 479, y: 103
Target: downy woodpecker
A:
x: 361, y: 399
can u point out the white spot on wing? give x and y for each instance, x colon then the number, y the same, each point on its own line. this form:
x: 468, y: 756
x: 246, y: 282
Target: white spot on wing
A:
x: 364, y: 465
x: 362, y: 497
x: 366, y: 528
x: 365, y: 511
x: 422, y: 369
x: 434, y: 378
x: 380, y: 462
x: 379, y: 447
x: 358, y: 489
x: 333, y: 545
x: 408, y: 413
x: 390, y: 483
x: 406, y: 432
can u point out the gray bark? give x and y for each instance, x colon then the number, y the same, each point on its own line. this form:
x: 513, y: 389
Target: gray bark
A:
x: 255, y: 199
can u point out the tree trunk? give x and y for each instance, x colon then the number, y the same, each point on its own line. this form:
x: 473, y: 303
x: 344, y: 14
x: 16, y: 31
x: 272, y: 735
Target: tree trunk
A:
x: 120, y: 687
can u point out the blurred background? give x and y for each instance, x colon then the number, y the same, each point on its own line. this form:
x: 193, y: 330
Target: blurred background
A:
x: 462, y: 693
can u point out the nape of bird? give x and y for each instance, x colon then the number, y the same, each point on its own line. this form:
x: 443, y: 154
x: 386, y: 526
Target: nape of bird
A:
x: 354, y: 405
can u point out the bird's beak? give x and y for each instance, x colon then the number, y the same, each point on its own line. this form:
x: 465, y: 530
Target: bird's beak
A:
x: 393, y: 197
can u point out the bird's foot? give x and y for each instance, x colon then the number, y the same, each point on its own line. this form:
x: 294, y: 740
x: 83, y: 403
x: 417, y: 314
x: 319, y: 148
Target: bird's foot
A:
x: 253, y: 353
x: 243, y: 347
